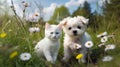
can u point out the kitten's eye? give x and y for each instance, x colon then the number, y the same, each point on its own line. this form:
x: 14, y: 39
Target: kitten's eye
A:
x: 57, y: 32
x: 79, y: 27
x: 51, y: 32
x: 69, y: 28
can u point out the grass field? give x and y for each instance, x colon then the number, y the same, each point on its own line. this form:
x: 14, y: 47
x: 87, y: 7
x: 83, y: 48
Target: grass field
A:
x: 16, y: 39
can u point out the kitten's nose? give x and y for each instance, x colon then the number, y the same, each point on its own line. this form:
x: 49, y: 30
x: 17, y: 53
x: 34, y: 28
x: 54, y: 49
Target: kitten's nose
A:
x: 54, y: 36
x: 75, y: 32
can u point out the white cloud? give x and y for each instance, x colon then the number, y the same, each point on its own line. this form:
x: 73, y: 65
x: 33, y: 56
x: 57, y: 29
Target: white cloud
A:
x: 74, y: 3
x: 48, y: 11
x: 78, y: 2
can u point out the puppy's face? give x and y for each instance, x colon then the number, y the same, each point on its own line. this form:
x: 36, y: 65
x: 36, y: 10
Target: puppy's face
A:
x: 74, y: 26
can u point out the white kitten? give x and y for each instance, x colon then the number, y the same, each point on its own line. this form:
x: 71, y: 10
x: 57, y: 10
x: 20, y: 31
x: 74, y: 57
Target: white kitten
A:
x: 49, y: 46
x: 74, y: 29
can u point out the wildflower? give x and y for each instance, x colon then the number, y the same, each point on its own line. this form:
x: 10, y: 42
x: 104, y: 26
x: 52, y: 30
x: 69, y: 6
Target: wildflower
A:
x: 102, y: 34
x: 79, y: 56
x: 107, y: 58
x: 25, y: 4
x: 109, y: 47
x: 104, y: 39
x: 36, y: 14
x: 14, y: 54
x: 77, y: 46
x: 110, y: 36
x: 34, y: 29
x: 33, y: 18
x: 89, y: 44
x: 3, y: 35
x: 37, y: 29
x: 101, y: 44
x: 25, y: 56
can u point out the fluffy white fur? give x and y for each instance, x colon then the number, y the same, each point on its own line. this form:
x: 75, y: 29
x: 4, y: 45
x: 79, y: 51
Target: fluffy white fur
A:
x: 49, y: 45
x: 74, y: 29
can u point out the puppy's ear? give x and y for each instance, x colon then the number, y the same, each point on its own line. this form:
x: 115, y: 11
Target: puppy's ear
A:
x: 63, y: 22
x: 83, y: 20
x: 86, y: 21
x: 47, y: 25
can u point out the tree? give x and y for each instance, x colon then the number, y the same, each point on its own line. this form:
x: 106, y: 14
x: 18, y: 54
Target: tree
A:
x: 111, y: 9
x: 59, y: 14
x: 83, y: 11
x: 87, y: 9
x: 79, y: 11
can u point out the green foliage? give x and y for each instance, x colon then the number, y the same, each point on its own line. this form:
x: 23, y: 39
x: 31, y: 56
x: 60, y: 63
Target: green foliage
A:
x: 59, y: 14
x: 83, y: 11
x: 111, y: 9
x: 21, y: 40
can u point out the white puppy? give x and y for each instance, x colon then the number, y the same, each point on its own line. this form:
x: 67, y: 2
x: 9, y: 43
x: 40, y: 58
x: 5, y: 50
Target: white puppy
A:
x: 74, y: 29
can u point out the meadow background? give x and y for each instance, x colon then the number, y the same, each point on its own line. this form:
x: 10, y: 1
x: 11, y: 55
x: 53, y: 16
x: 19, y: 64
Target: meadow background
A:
x: 16, y: 37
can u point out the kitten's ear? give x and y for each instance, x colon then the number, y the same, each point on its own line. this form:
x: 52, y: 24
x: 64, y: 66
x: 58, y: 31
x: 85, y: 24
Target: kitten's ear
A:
x: 47, y: 25
x: 60, y: 26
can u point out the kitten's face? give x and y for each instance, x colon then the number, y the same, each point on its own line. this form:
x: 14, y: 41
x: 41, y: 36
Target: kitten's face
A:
x: 52, y: 32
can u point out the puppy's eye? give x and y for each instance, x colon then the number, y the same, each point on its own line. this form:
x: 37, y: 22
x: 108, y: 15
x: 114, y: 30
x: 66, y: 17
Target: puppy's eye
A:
x: 51, y: 32
x: 57, y: 32
x: 69, y: 28
x: 79, y: 27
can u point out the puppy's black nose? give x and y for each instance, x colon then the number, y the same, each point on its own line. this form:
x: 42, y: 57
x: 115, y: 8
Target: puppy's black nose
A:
x: 75, y: 32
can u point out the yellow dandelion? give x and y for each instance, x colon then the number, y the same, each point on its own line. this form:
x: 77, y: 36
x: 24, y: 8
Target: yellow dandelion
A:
x: 14, y: 54
x: 79, y: 56
x: 3, y: 35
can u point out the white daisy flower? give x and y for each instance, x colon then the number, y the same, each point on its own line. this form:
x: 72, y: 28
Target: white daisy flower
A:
x: 31, y: 29
x: 102, y: 34
x: 89, y: 44
x: 34, y: 29
x: 107, y: 58
x: 110, y: 36
x: 77, y: 46
x: 109, y: 47
x: 25, y: 56
x: 101, y: 44
x: 104, y: 39
x: 37, y: 14
x: 37, y: 29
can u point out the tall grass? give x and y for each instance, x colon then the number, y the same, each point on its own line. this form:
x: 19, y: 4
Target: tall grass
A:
x: 21, y: 40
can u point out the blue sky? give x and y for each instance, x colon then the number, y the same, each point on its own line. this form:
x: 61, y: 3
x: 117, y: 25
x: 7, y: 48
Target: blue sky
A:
x: 50, y: 5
